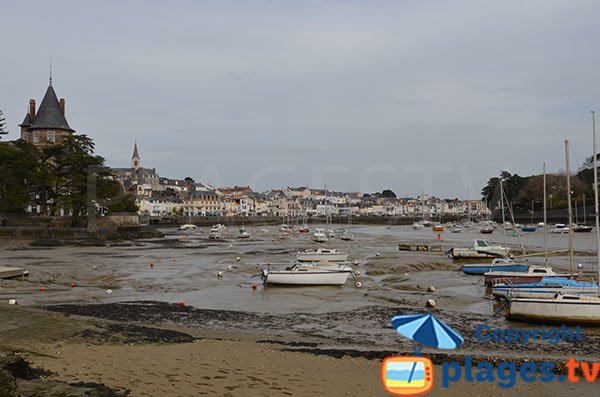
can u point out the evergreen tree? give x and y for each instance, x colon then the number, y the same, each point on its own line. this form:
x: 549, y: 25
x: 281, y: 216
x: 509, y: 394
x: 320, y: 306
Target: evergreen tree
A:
x: 3, y: 130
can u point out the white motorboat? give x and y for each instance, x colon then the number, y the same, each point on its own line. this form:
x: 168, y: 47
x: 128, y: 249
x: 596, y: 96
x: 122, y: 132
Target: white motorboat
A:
x: 418, y: 225
x: 322, y: 255
x: 346, y: 236
x: 187, y: 227
x: 218, y: 232
x: 330, y: 233
x: 243, y: 234
x: 560, y: 228
x: 480, y: 249
x: 319, y: 236
x: 308, y: 274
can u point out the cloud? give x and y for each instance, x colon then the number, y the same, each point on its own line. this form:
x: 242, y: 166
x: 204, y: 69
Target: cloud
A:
x: 243, y: 87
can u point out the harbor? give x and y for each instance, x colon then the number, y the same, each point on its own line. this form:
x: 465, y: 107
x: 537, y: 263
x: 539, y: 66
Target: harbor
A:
x: 204, y: 287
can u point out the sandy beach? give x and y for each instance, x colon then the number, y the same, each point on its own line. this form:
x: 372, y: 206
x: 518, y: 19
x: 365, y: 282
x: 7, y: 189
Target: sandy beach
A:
x: 230, y: 339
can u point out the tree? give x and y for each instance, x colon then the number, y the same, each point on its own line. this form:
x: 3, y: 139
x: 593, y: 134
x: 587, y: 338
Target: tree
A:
x: 387, y: 193
x: 58, y: 177
x: 3, y: 130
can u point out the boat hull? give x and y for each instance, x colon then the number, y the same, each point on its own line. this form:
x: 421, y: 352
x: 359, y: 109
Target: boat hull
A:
x: 481, y: 269
x: 540, y: 292
x: 315, y: 257
x: 333, y: 277
x: 583, y: 311
x: 469, y: 253
x: 491, y: 279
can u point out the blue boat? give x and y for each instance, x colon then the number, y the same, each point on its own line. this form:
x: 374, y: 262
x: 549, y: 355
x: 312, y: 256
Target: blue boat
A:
x: 497, y: 265
x: 529, y: 229
x: 548, y: 287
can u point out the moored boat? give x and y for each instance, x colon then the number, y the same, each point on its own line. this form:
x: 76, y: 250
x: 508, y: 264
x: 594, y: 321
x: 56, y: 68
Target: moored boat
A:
x: 322, y: 255
x: 480, y: 249
x: 547, y: 287
x: 217, y: 232
x: 308, y: 274
x: 319, y: 236
x: 533, y: 275
x: 438, y: 228
x: 498, y: 264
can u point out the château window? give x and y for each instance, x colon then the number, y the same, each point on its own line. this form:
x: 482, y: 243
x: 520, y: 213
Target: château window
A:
x: 24, y: 135
x: 36, y: 136
x: 51, y: 137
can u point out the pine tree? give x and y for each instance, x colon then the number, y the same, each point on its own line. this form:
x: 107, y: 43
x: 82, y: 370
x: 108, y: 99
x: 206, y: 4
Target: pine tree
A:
x: 3, y: 130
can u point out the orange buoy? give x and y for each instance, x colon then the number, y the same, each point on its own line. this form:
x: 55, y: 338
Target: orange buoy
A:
x: 181, y: 303
x: 151, y: 265
x: 254, y: 286
x: 42, y: 289
x: 439, y: 237
x: 72, y: 285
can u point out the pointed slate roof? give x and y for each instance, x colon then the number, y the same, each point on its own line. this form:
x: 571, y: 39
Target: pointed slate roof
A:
x: 136, y: 155
x: 26, y: 121
x: 49, y: 114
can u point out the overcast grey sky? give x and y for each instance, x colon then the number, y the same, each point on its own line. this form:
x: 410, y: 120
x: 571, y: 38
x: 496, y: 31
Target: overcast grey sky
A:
x: 359, y: 95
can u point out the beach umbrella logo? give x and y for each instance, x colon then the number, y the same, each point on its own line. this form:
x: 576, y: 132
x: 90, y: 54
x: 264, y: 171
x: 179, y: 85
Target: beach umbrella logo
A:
x: 413, y: 375
x: 426, y: 329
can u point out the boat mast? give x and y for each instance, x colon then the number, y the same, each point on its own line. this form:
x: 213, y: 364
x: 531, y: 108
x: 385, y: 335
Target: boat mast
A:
x: 502, y: 209
x: 545, y: 222
x: 569, y: 204
x: 596, y: 198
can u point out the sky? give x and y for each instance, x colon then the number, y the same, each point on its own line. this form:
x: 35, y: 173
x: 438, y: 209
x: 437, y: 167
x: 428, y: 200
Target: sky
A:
x: 432, y: 96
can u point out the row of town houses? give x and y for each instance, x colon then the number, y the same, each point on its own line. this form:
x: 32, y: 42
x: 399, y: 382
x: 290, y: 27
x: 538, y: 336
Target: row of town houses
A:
x: 163, y: 197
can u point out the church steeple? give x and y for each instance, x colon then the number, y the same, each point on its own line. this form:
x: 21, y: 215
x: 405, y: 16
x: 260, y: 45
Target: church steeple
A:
x: 135, y: 159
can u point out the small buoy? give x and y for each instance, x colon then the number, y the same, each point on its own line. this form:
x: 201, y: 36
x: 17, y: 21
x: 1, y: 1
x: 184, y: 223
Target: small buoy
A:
x: 237, y: 258
x: 109, y: 291
x: 430, y: 303
x: 358, y: 284
x: 94, y: 267
x: 254, y: 286
x: 174, y: 260
x: 579, y: 266
x: 357, y: 272
x: 42, y: 289
x: 407, y: 274
x: 72, y: 285
x: 378, y: 254
x: 12, y: 301
x: 151, y: 264
x: 439, y: 237
x: 220, y: 274
x: 355, y: 262
x: 230, y: 268
x: 431, y: 288
x: 181, y: 303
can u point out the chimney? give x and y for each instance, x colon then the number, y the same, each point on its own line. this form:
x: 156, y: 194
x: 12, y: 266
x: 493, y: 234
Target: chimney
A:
x: 32, y: 109
x: 62, y: 105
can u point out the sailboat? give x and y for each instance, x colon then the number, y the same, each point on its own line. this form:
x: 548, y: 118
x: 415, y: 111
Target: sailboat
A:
x: 565, y: 308
x: 581, y: 228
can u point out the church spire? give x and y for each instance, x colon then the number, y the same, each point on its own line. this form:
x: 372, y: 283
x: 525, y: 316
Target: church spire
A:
x: 50, y: 71
x: 135, y: 159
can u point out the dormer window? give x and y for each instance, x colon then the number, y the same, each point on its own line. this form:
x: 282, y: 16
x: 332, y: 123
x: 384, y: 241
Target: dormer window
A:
x: 24, y: 135
x: 51, y: 137
x: 36, y: 136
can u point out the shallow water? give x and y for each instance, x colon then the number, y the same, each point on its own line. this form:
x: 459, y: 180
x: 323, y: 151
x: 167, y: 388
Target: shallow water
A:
x: 185, y: 267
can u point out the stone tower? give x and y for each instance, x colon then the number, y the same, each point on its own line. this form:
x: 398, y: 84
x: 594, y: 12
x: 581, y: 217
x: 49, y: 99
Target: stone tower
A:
x: 48, y: 125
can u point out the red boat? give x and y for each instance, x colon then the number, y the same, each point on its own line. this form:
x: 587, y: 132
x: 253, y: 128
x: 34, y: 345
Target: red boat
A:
x: 533, y: 275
